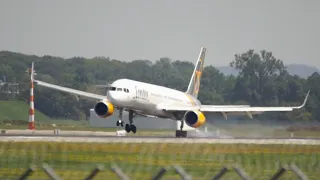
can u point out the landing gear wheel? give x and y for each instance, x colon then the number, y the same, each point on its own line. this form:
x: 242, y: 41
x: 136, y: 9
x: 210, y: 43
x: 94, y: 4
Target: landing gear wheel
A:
x: 127, y: 128
x: 180, y: 133
x: 133, y: 128
x: 120, y: 123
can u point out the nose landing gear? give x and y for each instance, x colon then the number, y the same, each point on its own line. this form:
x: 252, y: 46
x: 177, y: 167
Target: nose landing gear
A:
x: 120, y: 122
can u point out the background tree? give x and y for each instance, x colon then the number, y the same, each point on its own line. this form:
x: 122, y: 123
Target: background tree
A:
x: 262, y: 80
x: 257, y: 74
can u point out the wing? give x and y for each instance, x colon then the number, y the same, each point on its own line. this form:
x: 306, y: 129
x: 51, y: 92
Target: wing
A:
x: 231, y: 109
x: 255, y: 110
x: 69, y: 90
x: 61, y: 88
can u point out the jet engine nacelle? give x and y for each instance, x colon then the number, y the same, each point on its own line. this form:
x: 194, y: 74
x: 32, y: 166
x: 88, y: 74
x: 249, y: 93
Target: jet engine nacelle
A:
x: 104, y: 109
x: 194, y: 118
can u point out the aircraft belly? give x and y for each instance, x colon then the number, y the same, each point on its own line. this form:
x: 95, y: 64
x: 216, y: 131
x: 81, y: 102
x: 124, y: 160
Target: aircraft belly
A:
x: 149, y: 108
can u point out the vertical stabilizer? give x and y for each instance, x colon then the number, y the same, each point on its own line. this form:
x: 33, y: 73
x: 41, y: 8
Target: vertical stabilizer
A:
x: 194, y: 83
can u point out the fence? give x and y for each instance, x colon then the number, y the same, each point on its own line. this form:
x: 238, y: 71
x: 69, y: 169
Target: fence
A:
x: 87, y: 160
x: 177, y: 169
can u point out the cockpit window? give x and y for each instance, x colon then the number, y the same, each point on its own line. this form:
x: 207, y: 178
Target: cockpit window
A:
x: 118, y: 89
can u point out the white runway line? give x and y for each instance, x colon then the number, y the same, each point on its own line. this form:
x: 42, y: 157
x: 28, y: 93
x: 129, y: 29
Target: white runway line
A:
x: 161, y: 140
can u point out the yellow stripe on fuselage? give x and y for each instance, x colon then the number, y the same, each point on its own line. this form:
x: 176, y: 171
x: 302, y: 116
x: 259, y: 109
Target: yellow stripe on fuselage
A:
x: 197, y: 83
x: 191, y: 99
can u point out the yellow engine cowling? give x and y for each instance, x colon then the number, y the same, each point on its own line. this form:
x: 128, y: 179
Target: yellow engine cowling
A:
x: 104, y: 109
x: 194, y: 118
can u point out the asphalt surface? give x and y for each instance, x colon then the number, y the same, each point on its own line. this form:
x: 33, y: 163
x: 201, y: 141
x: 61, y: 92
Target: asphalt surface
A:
x: 111, y: 137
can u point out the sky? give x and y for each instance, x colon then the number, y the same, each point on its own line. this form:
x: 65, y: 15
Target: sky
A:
x: 143, y: 29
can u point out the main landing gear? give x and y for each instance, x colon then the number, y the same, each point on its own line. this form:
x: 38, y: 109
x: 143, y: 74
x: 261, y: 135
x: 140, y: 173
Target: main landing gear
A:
x: 179, y: 117
x: 181, y: 133
x: 128, y: 127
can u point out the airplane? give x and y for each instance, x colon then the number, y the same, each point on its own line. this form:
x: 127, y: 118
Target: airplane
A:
x: 150, y: 100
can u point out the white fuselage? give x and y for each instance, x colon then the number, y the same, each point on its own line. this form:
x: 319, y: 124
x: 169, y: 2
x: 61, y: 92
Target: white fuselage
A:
x: 145, y: 97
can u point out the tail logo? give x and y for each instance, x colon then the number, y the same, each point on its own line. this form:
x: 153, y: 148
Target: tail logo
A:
x: 194, y: 84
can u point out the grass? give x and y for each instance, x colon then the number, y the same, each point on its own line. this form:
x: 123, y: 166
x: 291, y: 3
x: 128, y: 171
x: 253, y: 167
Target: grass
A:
x: 18, y: 110
x: 262, y: 131
x: 73, y: 125
x: 142, y: 161
x: 79, y: 127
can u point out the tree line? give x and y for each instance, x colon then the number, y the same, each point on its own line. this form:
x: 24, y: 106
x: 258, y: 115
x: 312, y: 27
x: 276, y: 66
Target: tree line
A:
x: 262, y: 80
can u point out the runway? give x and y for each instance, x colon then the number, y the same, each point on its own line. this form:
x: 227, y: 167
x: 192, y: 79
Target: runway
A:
x: 111, y: 137
x: 145, y: 139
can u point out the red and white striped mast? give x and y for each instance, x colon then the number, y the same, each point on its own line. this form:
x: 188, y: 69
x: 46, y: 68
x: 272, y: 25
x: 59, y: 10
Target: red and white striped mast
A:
x: 31, y: 125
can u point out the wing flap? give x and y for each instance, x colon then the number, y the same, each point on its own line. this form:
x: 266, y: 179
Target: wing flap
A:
x: 171, y: 107
x: 213, y: 108
x: 69, y: 90
x: 220, y: 106
x: 244, y: 109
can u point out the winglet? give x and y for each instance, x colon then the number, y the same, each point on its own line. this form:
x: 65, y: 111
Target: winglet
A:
x: 304, y: 102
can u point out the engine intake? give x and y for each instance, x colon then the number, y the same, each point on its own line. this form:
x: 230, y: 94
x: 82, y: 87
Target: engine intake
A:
x: 104, y: 109
x: 194, y: 118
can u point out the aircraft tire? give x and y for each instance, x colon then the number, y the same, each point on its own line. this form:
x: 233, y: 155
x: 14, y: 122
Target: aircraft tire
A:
x: 180, y: 133
x: 127, y: 128
x: 133, y: 129
x: 120, y: 123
